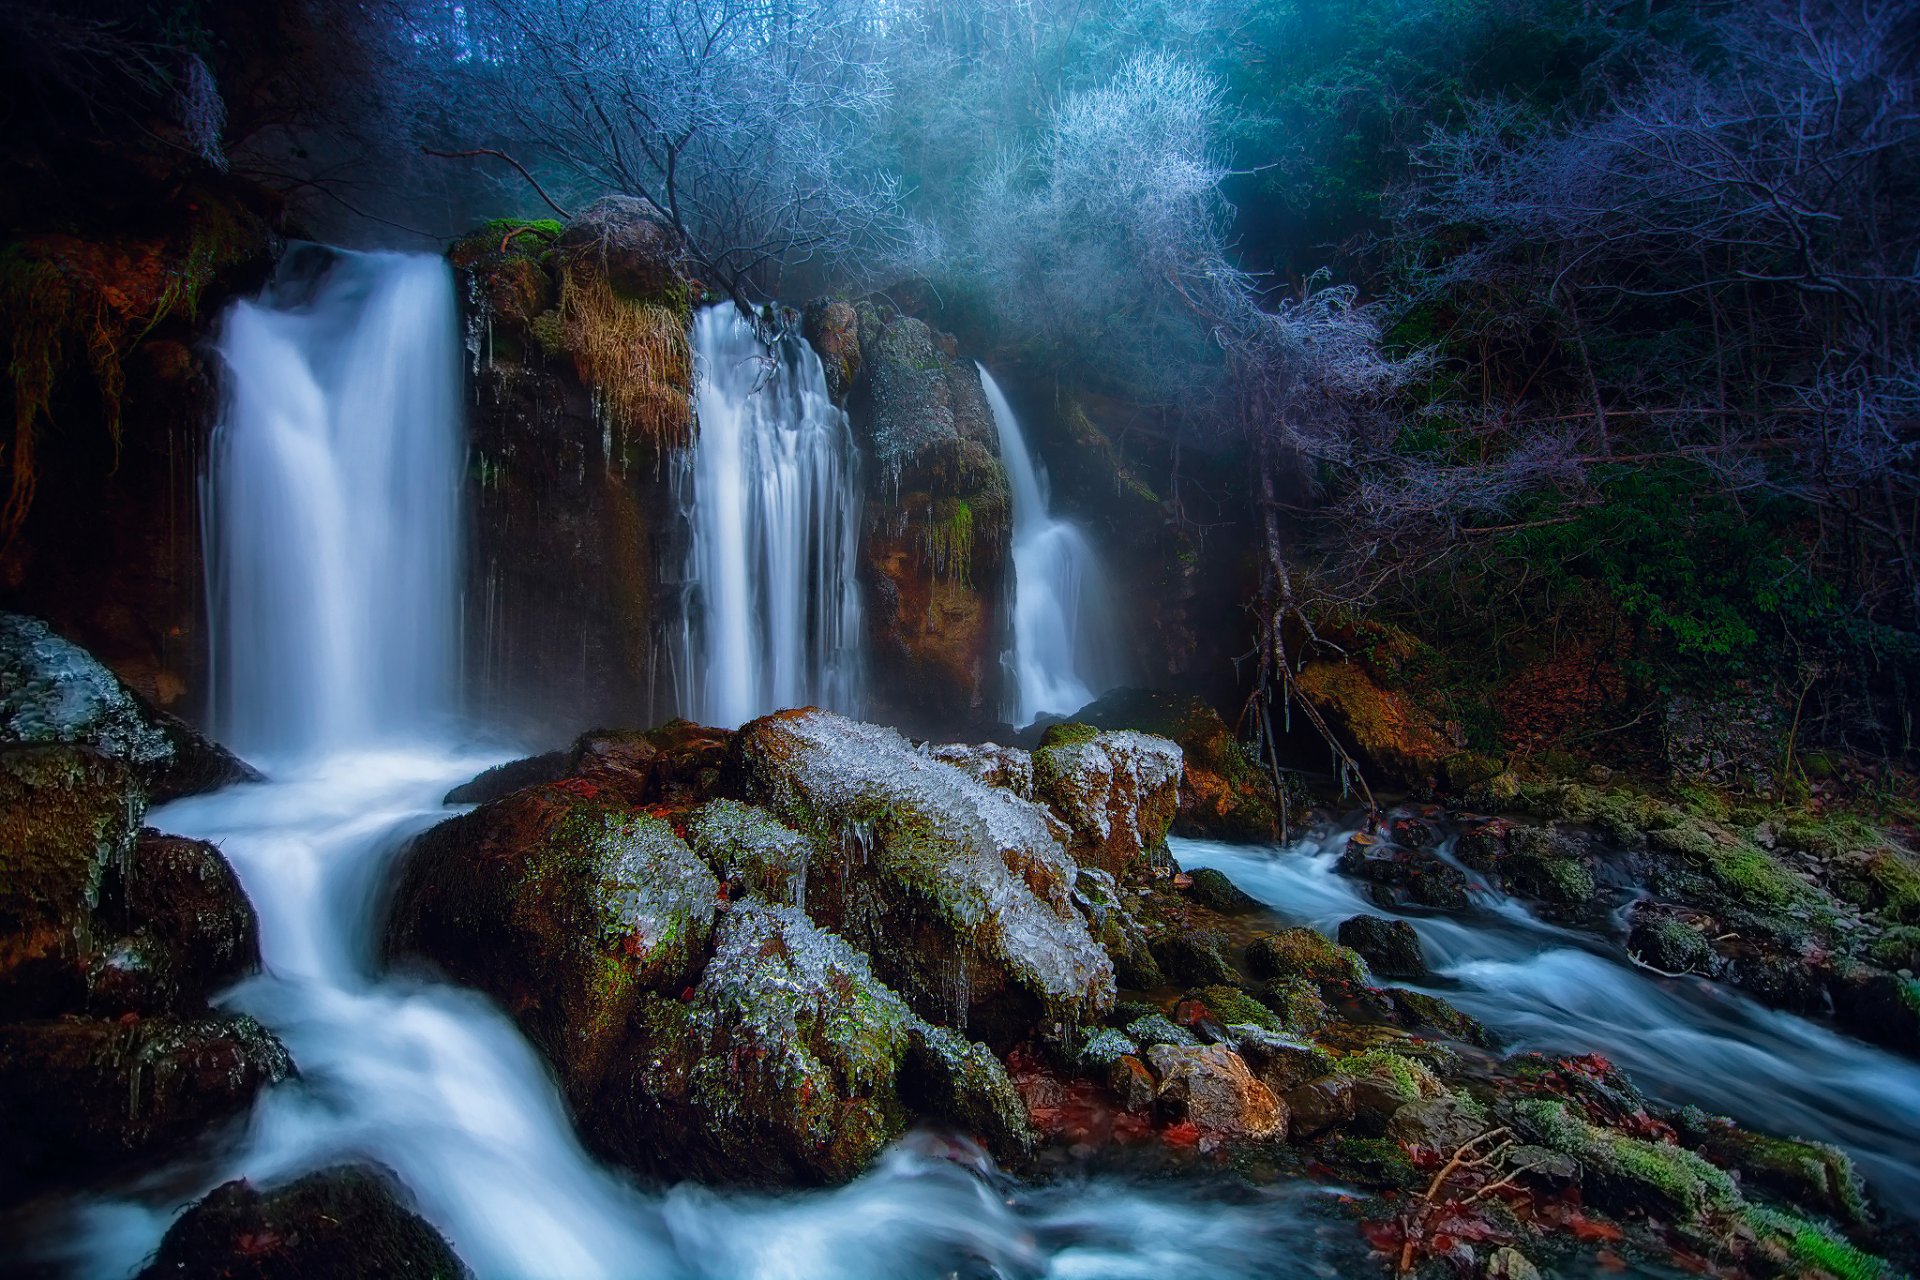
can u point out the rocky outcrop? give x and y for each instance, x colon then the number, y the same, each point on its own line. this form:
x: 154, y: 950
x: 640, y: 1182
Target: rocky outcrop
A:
x: 1392, y: 737
x: 961, y: 892
x: 350, y: 1221
x: 1223, y: 795
x: 566, y: 908
x: 582, y: 377
x: 81, y: 1095
x: 936, y: 534
x: 1117, y: 792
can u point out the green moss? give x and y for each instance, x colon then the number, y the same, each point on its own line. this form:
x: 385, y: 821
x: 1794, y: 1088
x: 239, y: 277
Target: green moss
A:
x: 1409, y: 1080
x: 1815, y: 1248
x: 1675, y: 1176
x: 1897, y: 948
x: 1371, y: 1162
x: 950, y: 540
x: 1230, y: 1005
x: 1306, y: 954
x: 1067, y: 733
x: 1301, y: 1008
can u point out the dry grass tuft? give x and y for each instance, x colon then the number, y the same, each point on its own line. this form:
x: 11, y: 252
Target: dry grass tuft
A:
x: 636, y: 353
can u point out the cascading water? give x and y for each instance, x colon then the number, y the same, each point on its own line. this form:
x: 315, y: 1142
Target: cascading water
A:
x: 1064, y: 646
x: 771, y: 493
x: 336, y: 489
x: 333, y: 512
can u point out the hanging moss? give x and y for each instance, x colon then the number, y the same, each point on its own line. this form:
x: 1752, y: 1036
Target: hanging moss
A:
x: 635, y: 352
x: 950, y: 540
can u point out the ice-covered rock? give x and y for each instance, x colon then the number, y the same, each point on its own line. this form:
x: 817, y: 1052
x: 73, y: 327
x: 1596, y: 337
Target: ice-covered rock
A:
x: 1118, y: 792
x: 961, y: 892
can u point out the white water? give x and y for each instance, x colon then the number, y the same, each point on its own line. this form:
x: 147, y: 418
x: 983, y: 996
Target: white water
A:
x: 435, y: 1082
x: 771, y: 492
x: 333, y: 505
x: 1684, y: 1040
x: 1064, y: 630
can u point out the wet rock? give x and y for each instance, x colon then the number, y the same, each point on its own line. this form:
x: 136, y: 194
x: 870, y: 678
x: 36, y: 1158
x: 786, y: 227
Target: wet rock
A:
x: 565, y: 909
x: 351, y: 1221
x: 54, y: 693
x: 951, y: 1078
x: 997, y: 766
x: 1196, y: 956
x: 960, y: 891
x: 1211, y: 1087
x: 833, y: 327
x: 1223, y: 795
x: 1415, y: 830
x: 1418, y: 1010
x: 1806, y: 1174
x: 1627, y: 1172
x: 1547, y: 864
x: 751, y: 852
x: 1157, y: 1028
x: 1279, y: 1061
x: 1303, y: 953
x: 1301, y: 1007
x: 785, y: 1063
x: 1117, y: 791
x: 1482, y: 842
x: 678, y: 763
x: 1210, y: 1010
x: 1319, y: 1105
x: 1391, y: 948
x: 67, y: 815
x: 1442, y: 1124
x: 1671, y: 939
x: 1211, y: 888
x: 1131, y: 1083
x: 1879, y: 1006
x: 505, y: 779
x: 1104, y: 1047
x: 184, y: 922
x: 81, y: 1095
x: 1114, y: 927
x: 1403, y: 875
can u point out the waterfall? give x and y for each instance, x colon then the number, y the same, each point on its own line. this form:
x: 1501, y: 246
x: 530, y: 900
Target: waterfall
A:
x: 771, y: 493
x: 333, y: 504
x: 1065, y: 647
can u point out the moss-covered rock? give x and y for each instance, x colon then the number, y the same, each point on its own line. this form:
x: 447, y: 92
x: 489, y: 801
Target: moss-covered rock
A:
x: 1547, y: 864
x: 1303, y: 953
x: 1117, y: 792
x: 995, y: 765
x: 1810, y: 1175
x: 960, y: 891
x: 67, y: 814
x: 564, y: 908
x: 54, y: 693
x: 785, y: 1063
x: 1391, y: 736
x: 1625, y: 1172
x: 1391, y: 948
x: 677, y: 763
x: 178, y: 907
x: 82, y: 1095
x: 350, y: 1221
x: 1223, y: 795
x: 751, y: 852
x: 1211, y: 888
x: 1115, y: 928
x: 832, y: 325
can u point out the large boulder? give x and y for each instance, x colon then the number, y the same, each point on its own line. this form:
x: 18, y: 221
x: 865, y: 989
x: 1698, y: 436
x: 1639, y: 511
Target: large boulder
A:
x: 349, y: 1221
x: 1116, y: 790
x: 54, y: 693
x: 67, y: 814
x: 79, y: 1094
x: 565, y: 908
x: 1223, y: 794
x: 962, y: 892
x: 782, y: 1065
x: 183, y: 928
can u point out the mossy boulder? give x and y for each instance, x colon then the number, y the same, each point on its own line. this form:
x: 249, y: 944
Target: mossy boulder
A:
x: 1117, y: 792
x: 1629, y: 1173
x: 751, y: 852
x: 177, y: 904
x: 1223, y: 794
x: 1549, y: 865
x: 54, y: 693
x: 1115, y: 928
x: 82, y: 1095
x: 832, y: 325
x: 564, y: 908
x: 1391, y: 948
x: 67, y: 814
x: 785, y: 1064
x: 960, y: 1082
x: 960, y: 891
x: 1810, y: 1175
x: 1303, y: 953
x: 349, y: 1221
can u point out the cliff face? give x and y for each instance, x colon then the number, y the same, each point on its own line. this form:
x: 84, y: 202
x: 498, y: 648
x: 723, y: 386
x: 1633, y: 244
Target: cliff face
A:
x: 936, y: 535
x: 581, y: 385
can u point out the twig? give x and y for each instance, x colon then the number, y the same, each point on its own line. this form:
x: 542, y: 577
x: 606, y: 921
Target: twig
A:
x: 501, y: 155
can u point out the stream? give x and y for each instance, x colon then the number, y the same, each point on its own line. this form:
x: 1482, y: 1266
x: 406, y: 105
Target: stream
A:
x: 1682, y: 1040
